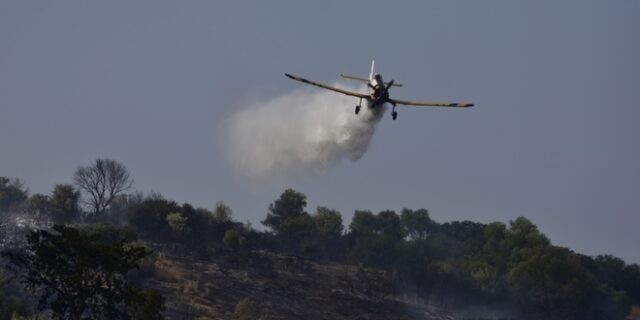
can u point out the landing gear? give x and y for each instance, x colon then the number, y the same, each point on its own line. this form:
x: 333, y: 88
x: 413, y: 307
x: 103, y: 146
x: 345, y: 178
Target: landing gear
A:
x: 394, y: 113
x: 357, y: 109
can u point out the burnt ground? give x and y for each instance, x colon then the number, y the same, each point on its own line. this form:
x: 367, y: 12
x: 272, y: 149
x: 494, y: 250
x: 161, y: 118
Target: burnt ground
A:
x: 280, y: 287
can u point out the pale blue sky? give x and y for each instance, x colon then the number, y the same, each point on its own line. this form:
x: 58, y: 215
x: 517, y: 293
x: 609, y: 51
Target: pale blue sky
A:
x: 554, y: 136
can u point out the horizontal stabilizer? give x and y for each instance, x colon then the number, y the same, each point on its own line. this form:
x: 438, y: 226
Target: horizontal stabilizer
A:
x: 393, y: 84
x: 366, y: 80
x: 354, y: 78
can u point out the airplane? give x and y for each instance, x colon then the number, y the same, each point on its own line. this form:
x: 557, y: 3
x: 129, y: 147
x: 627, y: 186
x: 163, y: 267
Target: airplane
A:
x: 379, y: 94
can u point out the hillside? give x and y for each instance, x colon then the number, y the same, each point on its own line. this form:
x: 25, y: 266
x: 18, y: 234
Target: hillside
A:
x: 197, y: 263
x: 284, y: 287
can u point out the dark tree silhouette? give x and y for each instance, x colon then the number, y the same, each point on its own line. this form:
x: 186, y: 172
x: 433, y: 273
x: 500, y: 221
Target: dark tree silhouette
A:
x: 65, y: 203
x: 81, y: 275
x: 102, y: 181
x: 11, y: 193
x: 290, y: 206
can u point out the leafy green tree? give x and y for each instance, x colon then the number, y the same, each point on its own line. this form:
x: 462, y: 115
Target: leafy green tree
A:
x: 328, y: 229
x: 78, y: 275
x: 610, y: 270
x: 375, y: 239
x: 107, y: 233
x: 178, y: 223
x: 363, y: 222
x: 605, y: 303
x: 388, y: 224
x: 550, y: 280
x: 468, y: 235
x: 289, y: 206
x: 328, y: 222
x: 38, y: 208
x: 632, y: 282
x: 199, y: 225
x: 12, y: 304
x: 234, y: 239
x: 293, y: 227
x: 616, y: 274
x: 416, y: 224
x: 12, y: 193
x: 222, y: 213
x: 65, y: 205
x: 522, y: 238
x: 496, y: 253
x: 296, y: 235
x: 149, y: 218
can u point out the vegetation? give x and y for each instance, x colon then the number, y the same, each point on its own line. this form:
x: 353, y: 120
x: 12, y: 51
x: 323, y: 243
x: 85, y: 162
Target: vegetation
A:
x: 89, y: 268
x: 78, y: 274
x: 244, y: 310
x: 102, y: 181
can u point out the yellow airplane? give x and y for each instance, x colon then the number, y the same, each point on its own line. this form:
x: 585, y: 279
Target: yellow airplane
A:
x: 379, y: 93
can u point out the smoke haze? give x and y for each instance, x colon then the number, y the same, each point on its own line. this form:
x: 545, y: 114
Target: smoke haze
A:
x: 302, y: 132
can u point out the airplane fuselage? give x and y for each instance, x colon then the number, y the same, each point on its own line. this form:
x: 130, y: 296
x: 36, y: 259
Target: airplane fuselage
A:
x: 379, y: 91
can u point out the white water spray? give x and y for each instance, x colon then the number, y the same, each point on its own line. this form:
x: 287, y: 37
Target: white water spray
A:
x: 303, y: 132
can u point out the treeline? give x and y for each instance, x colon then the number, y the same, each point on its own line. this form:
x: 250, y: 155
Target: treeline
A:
x: 454, y: 264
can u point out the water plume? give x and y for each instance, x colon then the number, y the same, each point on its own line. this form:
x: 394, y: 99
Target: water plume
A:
x: 298, y: 133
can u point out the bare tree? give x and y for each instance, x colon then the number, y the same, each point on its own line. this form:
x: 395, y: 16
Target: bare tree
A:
x: 102, y: 181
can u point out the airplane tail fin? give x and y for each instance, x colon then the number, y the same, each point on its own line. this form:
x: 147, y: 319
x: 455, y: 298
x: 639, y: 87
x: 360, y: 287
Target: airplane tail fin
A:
x: 373, y: 64
x: 363, y: 79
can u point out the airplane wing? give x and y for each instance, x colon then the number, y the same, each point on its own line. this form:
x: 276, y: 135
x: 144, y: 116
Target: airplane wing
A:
x: 431, y: 104
x: 324, y: 86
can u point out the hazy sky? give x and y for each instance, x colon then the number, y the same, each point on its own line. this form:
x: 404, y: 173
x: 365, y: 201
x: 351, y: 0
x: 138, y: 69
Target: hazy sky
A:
x: 554, y: 135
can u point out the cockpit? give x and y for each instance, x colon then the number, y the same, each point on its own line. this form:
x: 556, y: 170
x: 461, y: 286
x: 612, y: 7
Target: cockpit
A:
x: 378, y: 82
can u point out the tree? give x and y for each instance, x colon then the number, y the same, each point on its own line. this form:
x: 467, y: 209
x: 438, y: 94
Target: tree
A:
x: 389, y: 224
x: 80, y: 275
x: 102, y: 181
x: 38, y: 209
x: 495, y: 247
x: 234, y: 239
x: 149, y: 217
x: 552, y: 282
x: 222, y: 213
x: 374, y: 239
x: 178, y: 223
x: 11, y: 193
x: 290, y: 205
x: 65, y: 203
x: 416, y: 224
x: 293, y: 227
x: 328, y: 229
x: 522, y: 238
x: 363, y: 222
x: 12, y: 302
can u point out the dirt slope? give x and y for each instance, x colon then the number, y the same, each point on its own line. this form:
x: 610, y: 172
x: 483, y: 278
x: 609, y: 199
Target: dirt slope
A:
x: 279, y: 287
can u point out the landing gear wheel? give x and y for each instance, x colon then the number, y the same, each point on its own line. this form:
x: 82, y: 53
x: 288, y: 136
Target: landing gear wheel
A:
x: 357, y: 109
x: 394, y: 115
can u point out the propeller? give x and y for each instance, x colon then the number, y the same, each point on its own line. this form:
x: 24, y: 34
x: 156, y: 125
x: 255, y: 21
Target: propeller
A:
x: 390, y: 83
